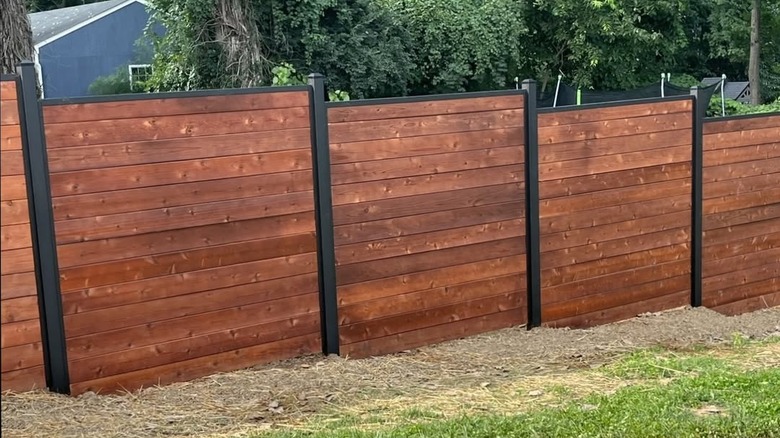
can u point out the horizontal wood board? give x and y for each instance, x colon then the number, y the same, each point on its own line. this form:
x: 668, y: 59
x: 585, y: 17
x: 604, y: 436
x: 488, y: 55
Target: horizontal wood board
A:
x: 22, y: 358
x: 741, y: 265
x: 185, y: 233
x: 615, y: 211
x: 429, y: 220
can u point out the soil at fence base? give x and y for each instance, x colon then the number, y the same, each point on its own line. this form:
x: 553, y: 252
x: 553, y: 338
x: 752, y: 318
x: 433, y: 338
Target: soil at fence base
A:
x: 284, y: 392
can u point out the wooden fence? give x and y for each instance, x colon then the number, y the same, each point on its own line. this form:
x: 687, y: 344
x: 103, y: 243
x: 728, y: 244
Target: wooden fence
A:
x: 22, y: 357
x: 429, y: 219
x: 742, y: 214
x: 185, y: 234
x: 201, y: 232
x: 615, y: 208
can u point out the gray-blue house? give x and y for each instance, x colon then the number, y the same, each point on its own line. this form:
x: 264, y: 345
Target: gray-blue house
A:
x: 76, y: 45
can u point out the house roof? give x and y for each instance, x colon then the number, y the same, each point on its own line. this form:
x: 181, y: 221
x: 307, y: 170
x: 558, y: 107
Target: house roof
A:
x: 732, y: 90
x: 50, y: 25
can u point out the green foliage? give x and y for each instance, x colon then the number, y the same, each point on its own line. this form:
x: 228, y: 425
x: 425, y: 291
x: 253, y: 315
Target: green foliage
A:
x: 378, y: 48
x: 467, y: 45
x: 116, y: 83
x: 359, y: 45
x: 606, y: 44
x: 734, y: 108
x: 285, y: 74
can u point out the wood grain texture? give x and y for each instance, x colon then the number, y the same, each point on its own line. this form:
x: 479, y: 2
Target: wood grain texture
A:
x: 431, y: 335
x: 22, y: 359
x: 740, y: 170
x: 185, y: 232
x: 179, y: 350
x: 752, y: 137
x: 741, y: 154
x: 8, y: 90
x: 175, y: 195
x: 11, y: 163
x: 384, y: 111
x: 202, y: 366
x: 613, y: 180
x: 430, y: 316
x: 431, y: 279
x: 426, y: 299
x: 176, y: 172
x: 375, y: 269
x: 614, y: 314
x: 433, y: 164
x: 425, y: 184
x: 174, y: 106
x: 611, y: 146
x: 614, y: 128
x: 248, y: 304
x: 176, y: 149
x: 766, y: 301
x: 429, y: 144
x: 21, y: 333
x: 104, y: 250
x: 605, y: 164
x: 418, y: 243
x: 18, y: 285
x: 11, y: 138
x: 186, y: 216
x: 351, y: 234
x: 107, y: 131
x: 134, y: 269
x: 604, y: 301
x: 615, y: 112
x: 428, y: 203
x: 715, y: 126
x: 14, y: 212
x: 425, y: 125
x: 26, y: 379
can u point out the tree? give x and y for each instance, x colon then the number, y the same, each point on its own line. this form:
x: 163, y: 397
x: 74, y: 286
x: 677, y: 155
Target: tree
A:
x: 15, y: 34
x: 755, y: 54
x: 606, y: 44
x: 357, y: 44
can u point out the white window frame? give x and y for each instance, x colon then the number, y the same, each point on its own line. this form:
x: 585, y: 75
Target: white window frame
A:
x: 136, y: 66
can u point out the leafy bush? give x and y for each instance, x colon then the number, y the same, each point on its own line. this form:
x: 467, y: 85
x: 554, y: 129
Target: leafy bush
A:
x: 734, y: 108
x: 116, y: 83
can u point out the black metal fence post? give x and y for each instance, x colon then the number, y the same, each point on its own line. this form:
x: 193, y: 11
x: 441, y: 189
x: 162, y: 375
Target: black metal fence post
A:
x: 532, y: 237
x: 697, y: 175
x: 323, y: 211
x: 47, y: 273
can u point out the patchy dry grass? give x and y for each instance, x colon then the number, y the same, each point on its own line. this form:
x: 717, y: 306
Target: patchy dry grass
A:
x: 727, y: 391
x: 503, y: 373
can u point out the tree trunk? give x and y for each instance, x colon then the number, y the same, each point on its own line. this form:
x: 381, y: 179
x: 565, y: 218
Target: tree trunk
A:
x: 15, y: 34
x: 755, y: 51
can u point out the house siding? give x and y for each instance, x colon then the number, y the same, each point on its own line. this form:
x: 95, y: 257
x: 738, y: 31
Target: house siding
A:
x: 71, y: 63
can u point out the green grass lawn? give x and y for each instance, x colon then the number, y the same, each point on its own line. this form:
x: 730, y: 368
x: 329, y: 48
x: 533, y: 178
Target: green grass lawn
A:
x: 732, y: 392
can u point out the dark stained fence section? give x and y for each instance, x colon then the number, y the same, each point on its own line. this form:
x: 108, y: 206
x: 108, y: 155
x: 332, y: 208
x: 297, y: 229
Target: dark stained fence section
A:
x: 22, y: 358
x: 429, y: 219
x: 615, y: 190
x: 185, y: 233
x: 741, y: 262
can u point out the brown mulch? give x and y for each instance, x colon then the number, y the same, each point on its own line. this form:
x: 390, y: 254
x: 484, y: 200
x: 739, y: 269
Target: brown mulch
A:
x: 290, y: 392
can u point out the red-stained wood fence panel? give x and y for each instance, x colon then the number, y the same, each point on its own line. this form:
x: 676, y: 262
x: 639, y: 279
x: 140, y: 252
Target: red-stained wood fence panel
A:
x: 22, y: 358
x: 185, y: 235
x: 741, y: 242
x: 615, y: 207
x: 429, y: 220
